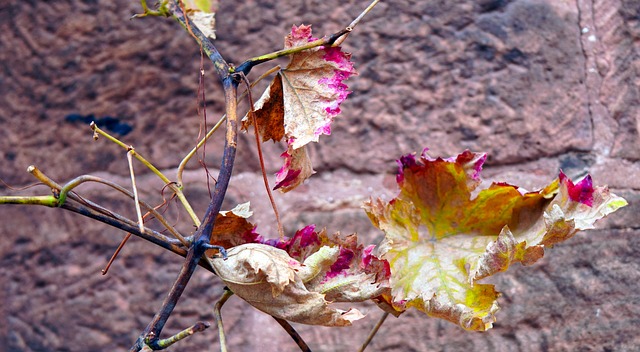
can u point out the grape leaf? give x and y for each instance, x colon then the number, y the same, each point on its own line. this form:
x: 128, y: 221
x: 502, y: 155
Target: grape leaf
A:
x: 440, y: 239
x: 296, y: 279
x: 270, y: 280
x: 353, y: 275
x: 301, y: 102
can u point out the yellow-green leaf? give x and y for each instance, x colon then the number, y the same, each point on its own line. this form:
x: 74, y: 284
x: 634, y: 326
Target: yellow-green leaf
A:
x: 442, y: 236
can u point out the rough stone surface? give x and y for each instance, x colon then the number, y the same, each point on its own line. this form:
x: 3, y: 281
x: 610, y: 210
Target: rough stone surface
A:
x: 539, y: 85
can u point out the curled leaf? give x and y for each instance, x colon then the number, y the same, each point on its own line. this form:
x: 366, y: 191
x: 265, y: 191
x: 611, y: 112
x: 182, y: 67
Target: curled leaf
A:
x: 351, y: 274
x: 439, y: 240
x: 297, y: 168
x: 270, y: 280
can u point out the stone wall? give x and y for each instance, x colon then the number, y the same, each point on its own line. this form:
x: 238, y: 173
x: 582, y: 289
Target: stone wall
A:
x: 540, y: 85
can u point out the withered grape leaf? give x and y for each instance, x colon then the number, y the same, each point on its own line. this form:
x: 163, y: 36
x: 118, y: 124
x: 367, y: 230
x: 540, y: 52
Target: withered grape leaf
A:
x: 301, y: 103
x: 297, y: 278
x: 354, y: 274
x: 270, y: 280
x: 440, y: 238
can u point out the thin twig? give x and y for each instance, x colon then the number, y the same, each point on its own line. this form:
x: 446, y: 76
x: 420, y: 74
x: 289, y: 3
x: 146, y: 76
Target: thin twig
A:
x: 246, y: 66
x: 334, y: 39
x: 136, y: 199
x: 185, y: 160
x: 218, y: 314
x: 177, y: 189
x: 193, y: 151
x: 115, y: 254
x: 373, y: 332
x: 355, y: 22
x: 64, y: 192
x: 294, y: 334
x: 48, y: 201
x: 197, y: 327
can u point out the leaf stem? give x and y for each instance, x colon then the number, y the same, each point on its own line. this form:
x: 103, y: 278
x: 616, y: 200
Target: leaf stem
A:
x: 254, y: 120
x: 183, y: 163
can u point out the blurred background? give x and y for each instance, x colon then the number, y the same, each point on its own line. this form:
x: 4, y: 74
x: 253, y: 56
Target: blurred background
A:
x: 540, y: 85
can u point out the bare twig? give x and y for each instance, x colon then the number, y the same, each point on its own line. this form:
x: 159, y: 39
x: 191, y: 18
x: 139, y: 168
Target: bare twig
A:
x: 218, y: 314
x: 334, y: 39
x: 176, y: 188
x: 355, y: 22
x: 197, y: 327
x: 373, y: 332
x: 136, y: 199
x: 64, y: 192
x: 294, y: 334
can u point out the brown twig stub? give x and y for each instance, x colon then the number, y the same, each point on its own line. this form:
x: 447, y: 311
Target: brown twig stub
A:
x: 294, y: 334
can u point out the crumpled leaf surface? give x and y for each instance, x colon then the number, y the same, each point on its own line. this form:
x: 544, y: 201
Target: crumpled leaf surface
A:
x: 440, y: 239
x: 301, y: 103
x: 296, y: 279
x: 346, y: 272
x: 270, y: 280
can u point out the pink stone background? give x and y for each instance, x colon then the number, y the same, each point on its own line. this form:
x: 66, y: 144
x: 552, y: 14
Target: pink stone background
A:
x: 538, y: 84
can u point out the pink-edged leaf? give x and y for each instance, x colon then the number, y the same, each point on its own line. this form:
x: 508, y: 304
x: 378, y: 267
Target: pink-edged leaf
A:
x: 313, y: 86
x: 301, y: 103
x: 297, y: 168
x: 440, y: 240
x: 343, y: 269
x: 269, y: 279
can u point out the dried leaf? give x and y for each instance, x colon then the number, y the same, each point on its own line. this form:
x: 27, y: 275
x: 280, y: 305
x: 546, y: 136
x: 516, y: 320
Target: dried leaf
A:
x: 352, y: 274
x: 440, y: 240
x: 232, y: 228
x: 269, y: 279
x: 301, y: 102
x: 297, y: 168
